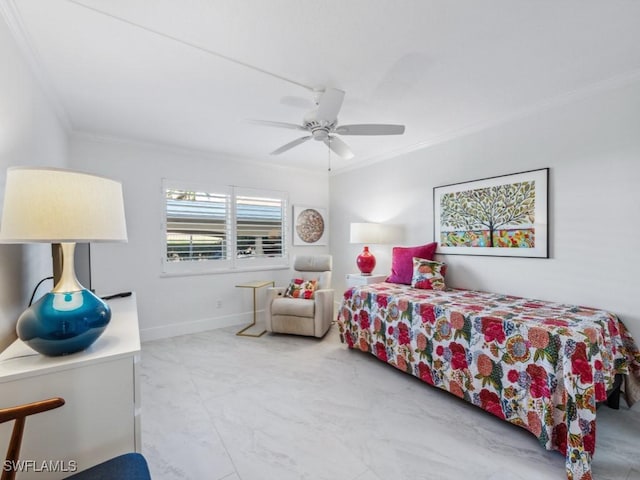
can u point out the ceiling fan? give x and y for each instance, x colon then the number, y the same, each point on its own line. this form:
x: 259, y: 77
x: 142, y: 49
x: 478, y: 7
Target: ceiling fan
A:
x: 322, y: 124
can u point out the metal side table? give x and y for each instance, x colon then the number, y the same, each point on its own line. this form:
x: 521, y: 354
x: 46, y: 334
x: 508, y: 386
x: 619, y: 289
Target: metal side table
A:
x: 255, y: 286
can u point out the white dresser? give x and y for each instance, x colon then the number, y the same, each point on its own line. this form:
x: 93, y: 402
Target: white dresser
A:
x: 101, y: 417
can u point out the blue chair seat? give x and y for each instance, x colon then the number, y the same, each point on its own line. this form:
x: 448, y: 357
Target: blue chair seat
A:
x: 130, y: 466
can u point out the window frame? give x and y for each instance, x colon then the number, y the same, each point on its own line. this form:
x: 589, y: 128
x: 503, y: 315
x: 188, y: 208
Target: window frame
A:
x: 232, y: 263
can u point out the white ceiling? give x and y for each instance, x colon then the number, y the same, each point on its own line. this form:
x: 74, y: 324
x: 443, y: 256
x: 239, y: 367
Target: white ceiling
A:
x: 442, y: 68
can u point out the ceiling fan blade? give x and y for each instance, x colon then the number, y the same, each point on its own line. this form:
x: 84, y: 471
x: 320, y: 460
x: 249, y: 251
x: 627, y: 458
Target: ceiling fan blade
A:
x: 290, y: 145
x: 339, y: 147
x: 370, y: 129
x: 297, y: 102
x: 269, y: 123
x: 330, y: 104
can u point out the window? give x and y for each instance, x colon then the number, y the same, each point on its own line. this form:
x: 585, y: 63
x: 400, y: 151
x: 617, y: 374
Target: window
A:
x: 196, y: 225
x: 224, y: 228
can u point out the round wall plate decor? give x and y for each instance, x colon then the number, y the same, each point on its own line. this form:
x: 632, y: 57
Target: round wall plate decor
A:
x: 310, y: 226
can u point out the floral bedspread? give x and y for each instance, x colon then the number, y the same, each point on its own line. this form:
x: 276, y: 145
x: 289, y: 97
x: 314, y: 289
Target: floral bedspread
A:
x: 540, y: 365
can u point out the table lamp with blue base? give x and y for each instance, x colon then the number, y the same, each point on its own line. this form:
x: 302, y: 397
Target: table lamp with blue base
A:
x: 62, y: 206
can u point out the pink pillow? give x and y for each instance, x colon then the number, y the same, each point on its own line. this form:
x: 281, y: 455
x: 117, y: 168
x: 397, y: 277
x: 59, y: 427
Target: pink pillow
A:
x: 402, y: 261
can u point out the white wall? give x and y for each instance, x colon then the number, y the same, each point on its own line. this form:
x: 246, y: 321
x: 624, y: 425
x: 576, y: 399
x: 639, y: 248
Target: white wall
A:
x: 180, y: 304
x: 593, y: 149
x: 30, y: 134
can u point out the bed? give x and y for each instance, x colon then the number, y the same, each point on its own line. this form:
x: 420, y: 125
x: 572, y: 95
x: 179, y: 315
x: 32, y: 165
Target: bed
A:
x: 540, y: 365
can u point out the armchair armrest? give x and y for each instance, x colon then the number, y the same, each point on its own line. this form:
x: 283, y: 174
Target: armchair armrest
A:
x: 272, y: 294
x: 324, y: 311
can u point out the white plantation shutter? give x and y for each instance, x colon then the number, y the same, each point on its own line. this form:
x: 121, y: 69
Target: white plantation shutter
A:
x: 197, y: 225
x: 218, y: 228
x: 260, y: 219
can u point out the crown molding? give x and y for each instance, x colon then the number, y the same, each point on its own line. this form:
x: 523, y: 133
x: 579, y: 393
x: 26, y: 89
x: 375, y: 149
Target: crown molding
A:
x: 11, y: 14
x: 608, y: 84
x: 186, y: 151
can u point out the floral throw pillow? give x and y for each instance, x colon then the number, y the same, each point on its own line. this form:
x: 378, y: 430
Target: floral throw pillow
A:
x: 300, y: 288
x: 428, y: 274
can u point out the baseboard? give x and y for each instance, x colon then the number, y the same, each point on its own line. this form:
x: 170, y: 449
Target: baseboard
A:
x: 195, y: 326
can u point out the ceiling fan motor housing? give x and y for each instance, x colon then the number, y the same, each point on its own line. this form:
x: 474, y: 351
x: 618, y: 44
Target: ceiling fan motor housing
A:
x: 319, y: 128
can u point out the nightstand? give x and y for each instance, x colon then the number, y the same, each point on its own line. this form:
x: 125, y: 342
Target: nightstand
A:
x: 357, y: 280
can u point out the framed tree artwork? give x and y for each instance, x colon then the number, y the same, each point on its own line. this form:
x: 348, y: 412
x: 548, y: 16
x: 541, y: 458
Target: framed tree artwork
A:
x: 504, y: 216
x: 309, y: 225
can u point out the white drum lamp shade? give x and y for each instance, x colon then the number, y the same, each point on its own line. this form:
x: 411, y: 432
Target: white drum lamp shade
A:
x: 367, y: 233
x: 54, y: 206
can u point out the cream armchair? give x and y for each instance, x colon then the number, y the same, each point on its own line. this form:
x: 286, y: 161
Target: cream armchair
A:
x: 300, y: 316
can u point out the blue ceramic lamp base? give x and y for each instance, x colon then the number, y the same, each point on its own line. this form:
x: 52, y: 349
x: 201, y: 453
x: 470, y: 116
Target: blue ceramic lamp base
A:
x: 61, y: 323
x: 66, y: 320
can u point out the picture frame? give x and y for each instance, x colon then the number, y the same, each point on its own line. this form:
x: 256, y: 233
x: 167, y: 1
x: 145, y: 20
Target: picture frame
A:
x: 504, y: 216
x: 310, y: 226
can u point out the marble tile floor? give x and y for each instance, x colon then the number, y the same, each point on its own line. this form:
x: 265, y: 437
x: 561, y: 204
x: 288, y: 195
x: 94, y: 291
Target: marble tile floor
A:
x: 217, y: 406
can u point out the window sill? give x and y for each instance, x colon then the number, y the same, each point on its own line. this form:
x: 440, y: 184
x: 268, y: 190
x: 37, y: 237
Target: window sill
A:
x: 223, y: 271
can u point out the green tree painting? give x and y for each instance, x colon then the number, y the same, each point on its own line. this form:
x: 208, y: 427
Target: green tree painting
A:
x: 489, y: 209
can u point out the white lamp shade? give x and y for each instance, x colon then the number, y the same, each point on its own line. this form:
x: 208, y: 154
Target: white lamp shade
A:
x: 372, y: 233
x: 368, y: 233
x: 53, y: 205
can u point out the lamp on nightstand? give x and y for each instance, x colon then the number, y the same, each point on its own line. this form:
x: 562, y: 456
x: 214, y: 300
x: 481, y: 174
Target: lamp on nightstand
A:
x: 367, y: 234
x: 47, y: 205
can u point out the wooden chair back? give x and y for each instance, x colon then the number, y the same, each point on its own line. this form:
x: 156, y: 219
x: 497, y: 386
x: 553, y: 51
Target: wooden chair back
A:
x: 19, y: 414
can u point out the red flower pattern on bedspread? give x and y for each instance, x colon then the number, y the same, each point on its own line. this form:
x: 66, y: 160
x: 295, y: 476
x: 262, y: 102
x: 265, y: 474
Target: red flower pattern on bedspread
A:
x: 540, y: 365
x: 492, y: 329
